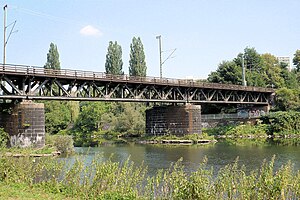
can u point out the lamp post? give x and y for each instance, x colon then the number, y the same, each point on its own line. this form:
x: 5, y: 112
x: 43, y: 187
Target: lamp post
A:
x: 160, y: 62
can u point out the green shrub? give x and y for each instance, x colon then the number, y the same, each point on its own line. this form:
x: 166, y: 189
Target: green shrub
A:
x: 283, y: 123
x: 248, y: 129
x: 4, y: 138
x: 63, y: 143
x: 220, y: 130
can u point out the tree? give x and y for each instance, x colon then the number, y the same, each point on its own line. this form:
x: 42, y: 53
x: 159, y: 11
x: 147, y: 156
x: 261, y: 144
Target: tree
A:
x: 52, y: 58
x: 114, y: 63
x: 271, y: 72
x: 57, y: 116
x: 129, y: 118
x: 252, y: 59
x: 227, y: 72
x: 137, y: 63
x: 287, y: 99
x: 88, y: 122
x: 296, y: 60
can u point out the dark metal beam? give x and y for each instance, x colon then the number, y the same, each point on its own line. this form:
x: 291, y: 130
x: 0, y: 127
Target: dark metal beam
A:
x: 91, y: 86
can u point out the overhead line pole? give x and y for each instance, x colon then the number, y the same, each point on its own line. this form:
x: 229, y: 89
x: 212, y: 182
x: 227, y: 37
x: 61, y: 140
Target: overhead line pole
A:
x: 160, y: 61
x: 4, y: 35
x: 243, y: 72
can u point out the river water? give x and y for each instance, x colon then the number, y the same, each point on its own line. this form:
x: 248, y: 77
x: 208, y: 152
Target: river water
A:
x: 218, y: 155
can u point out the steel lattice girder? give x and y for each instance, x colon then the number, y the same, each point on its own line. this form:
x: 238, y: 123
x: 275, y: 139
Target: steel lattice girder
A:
x: 59, y: 88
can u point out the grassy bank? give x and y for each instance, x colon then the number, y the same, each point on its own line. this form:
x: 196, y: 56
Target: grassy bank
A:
x: 51, y: 178
x: 55, y: 145
x: 23, y: 191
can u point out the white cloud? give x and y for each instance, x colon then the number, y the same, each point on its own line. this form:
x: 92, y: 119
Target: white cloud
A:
x: 90, y: 31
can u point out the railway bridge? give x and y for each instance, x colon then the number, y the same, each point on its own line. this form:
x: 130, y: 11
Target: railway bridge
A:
x: 23, y: 84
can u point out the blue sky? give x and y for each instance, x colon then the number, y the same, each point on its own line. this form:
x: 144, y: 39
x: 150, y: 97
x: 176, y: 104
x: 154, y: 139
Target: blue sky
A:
x: 204, y: 32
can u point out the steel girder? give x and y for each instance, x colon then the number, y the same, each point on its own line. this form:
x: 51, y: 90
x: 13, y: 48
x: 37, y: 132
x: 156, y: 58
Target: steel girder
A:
x: 38, y: 83
x: 52, y: 88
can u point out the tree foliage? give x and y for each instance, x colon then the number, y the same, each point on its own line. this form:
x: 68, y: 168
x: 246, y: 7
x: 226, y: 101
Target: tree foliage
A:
x: 296, y: 59
x: 57, y: 116
x: 227, y: 72
x: 271, y: 71
x: 52, y: 58
x: 89, y: 122
x: 114, y: 63
x: 283, y: 122
x: 262, y: 70
x: 98, y: 118
x: 137, y: 63
x: 89, y: 119
x: 252, y: 59
x: 129, y: 118
x: 287, y: 99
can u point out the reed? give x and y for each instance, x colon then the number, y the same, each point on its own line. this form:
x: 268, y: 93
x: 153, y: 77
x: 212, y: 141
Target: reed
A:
x: 105, y: 179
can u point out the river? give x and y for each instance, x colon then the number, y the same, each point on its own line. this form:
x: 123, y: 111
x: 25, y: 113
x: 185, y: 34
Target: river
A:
x: 218, y: 155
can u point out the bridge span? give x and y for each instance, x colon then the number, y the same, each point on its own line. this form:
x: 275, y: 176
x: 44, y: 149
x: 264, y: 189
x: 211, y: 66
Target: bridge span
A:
x: 33, y: 83
x: 26, y: 121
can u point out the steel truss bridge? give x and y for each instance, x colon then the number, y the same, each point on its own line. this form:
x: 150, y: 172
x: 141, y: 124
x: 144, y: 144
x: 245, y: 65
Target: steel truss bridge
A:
x: 36, y: 83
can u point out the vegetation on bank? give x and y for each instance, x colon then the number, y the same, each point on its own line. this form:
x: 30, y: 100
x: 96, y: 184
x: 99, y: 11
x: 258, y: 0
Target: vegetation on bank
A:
x: 280, y: 128
x: 54, y: 145
x: 192, y: 137
x: 21, y: 191
x: 111, y: 180
x: 4, y: 138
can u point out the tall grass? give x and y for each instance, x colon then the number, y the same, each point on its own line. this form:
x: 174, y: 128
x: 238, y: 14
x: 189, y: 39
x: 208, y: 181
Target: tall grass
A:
x: 111, y: 180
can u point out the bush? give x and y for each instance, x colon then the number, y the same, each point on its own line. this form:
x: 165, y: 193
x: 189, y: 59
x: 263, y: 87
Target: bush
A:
x: 283, y: 122
x: 248, y: 129
x: 63, y: 143
x: 4, y: 138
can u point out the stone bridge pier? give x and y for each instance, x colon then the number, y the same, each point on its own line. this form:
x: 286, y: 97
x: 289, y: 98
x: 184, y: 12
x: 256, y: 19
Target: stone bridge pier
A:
x: 25, y: 124
x: 175, y: 120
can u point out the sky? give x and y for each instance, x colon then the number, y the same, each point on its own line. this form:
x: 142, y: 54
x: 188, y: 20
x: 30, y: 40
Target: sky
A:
x: 203, y: 32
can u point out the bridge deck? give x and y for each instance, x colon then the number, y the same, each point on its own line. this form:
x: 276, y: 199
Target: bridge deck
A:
x: 29, y: 82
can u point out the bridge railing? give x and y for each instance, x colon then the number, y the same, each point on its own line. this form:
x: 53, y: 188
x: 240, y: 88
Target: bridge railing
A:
x: 33, y: 70
x: 241, y: 115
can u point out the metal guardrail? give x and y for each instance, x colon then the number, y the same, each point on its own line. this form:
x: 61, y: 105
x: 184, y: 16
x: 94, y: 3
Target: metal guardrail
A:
x: 66, y: 73
x: 244, y: 115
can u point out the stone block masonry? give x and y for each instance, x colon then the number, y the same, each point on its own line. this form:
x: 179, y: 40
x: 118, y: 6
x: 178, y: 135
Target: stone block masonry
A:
x: 175, y: 120
x: 25, y: 124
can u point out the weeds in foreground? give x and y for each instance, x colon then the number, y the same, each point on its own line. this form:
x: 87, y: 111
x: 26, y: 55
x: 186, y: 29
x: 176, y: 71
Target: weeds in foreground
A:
x: 101, y: 179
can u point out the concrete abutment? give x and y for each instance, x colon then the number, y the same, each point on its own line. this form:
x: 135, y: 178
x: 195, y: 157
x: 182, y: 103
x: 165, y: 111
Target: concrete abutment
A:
x: 25, y: 124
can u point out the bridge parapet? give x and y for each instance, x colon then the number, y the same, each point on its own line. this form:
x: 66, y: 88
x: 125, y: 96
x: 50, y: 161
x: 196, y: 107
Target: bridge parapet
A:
x: 89, y: 75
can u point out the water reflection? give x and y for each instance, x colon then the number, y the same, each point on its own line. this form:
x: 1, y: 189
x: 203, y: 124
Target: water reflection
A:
x: 161, y: 156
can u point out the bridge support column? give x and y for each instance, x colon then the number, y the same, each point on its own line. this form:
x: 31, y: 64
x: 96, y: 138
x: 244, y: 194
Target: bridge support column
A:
x: 175, y: 120
x: 25, y: 124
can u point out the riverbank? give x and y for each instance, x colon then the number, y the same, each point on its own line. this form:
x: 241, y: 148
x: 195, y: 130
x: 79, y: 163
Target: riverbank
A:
x: 22, y: 191
x: 35, y: 155
x: 52, y: 178
x: 177, y: 141
x: 55, y: 146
